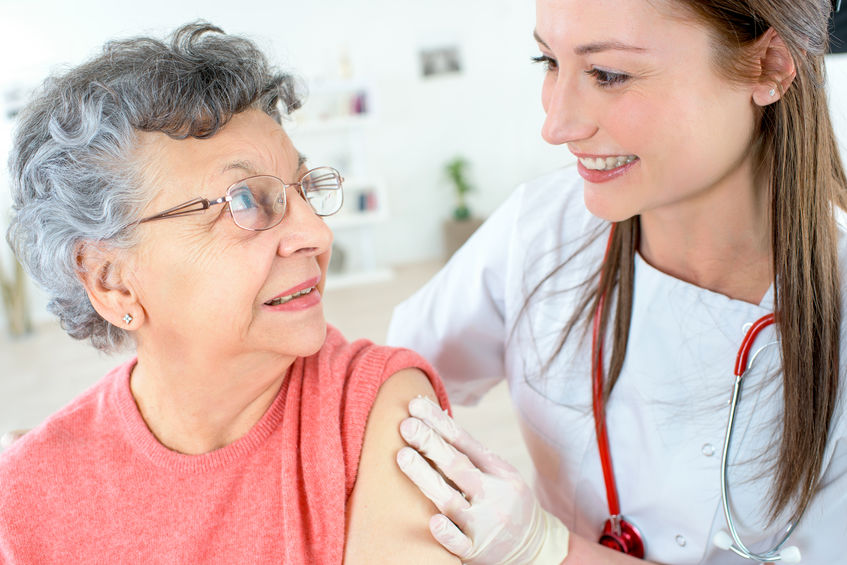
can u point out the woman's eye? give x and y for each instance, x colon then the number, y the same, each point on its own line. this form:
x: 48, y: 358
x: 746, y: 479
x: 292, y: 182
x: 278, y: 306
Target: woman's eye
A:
x: 549, y: 63
x: 242, y: 199
x: 607, y: 79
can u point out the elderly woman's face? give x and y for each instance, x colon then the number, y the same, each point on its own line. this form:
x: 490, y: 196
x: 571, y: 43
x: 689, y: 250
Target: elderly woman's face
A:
x: 207, y: 285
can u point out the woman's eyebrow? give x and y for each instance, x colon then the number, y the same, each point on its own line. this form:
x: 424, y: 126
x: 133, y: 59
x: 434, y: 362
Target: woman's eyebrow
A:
x: 251, y: 169
x: 538, y: 39
x: 243, y: 165
x: 606, y: 46
x: 596, y: 46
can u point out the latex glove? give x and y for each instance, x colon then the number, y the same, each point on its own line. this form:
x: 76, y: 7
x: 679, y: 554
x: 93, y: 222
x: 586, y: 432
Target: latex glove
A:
x: 489, y: 516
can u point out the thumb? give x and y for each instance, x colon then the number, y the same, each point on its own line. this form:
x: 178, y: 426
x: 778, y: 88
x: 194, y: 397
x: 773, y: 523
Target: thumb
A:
x: 450, y: 536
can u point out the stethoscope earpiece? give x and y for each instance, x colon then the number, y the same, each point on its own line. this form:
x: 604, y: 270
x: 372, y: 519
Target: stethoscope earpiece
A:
x: 722, y: 540
x: 790, y: 554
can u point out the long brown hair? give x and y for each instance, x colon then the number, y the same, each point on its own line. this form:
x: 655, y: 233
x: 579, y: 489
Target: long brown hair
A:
x: 796, y: 150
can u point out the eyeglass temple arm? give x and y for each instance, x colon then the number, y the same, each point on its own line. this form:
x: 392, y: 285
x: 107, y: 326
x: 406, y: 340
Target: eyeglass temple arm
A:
x: 328, y: 176
x: 186, y: 208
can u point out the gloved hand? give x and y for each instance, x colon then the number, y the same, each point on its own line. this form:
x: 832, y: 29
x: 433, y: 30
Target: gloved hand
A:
x: 489, y: 516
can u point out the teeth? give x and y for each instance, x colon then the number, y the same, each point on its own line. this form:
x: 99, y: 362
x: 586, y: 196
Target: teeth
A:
x: 290, y: 297
x: 606, y: 163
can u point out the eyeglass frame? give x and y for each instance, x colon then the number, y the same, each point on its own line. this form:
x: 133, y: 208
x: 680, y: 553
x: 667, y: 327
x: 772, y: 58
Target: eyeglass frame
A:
x: 185, y: 209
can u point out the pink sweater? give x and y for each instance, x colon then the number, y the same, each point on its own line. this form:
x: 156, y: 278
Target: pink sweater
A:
x: 92, y: 484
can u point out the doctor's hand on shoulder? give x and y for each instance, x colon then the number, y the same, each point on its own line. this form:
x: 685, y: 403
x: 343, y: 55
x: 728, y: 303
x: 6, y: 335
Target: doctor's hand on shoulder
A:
x: 489, y: 515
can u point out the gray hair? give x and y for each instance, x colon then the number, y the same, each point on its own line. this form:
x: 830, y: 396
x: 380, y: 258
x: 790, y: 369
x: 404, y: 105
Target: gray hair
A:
x: 74, y: 180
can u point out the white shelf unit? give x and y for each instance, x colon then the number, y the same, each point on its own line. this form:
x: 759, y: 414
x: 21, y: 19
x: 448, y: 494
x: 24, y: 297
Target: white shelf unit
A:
x: 331, y: 129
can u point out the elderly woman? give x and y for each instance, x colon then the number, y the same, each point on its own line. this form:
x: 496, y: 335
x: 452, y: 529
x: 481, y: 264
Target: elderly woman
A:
x: 161, y: 204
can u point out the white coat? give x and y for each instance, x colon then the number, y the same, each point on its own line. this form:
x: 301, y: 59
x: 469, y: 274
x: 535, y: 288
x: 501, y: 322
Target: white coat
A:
x: 668, y: 412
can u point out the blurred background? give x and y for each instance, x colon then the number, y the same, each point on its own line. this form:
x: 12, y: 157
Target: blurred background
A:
x: 397, y: 89
x: 431, y: 110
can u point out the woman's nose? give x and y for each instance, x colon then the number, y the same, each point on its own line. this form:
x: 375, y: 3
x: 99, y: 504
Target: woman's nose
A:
x: 567, y: 117
x: 301, y: 230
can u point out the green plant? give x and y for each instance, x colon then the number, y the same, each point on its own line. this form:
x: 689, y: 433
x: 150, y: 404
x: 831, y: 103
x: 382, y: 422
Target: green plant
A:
x: 456, y: 170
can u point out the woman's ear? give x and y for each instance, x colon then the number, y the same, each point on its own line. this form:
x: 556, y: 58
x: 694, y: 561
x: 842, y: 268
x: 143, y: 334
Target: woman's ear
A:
x: 777, y: 69
x: 102, y: 269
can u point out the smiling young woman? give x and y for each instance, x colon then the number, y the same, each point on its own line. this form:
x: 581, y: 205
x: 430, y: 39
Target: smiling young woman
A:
x: 708, y: 194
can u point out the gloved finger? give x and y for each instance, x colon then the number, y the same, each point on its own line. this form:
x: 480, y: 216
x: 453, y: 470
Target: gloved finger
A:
x: 454, y: 464
x: 430, y: 482
x: 450, y: 536
x: 431, y: 413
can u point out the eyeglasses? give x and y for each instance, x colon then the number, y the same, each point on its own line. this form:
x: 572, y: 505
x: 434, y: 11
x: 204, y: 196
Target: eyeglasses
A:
x: 259, y: 203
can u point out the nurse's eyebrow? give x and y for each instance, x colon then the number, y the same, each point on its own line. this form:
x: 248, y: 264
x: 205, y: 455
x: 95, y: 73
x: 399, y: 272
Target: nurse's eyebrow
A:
x: 606, y: 46
x: 596, y: 47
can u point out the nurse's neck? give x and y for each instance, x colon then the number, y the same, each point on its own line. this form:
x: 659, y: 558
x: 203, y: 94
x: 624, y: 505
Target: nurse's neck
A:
x: 719, y: 244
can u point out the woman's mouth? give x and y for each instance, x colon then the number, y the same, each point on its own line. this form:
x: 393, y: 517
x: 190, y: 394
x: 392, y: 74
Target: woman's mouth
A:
x: 283, y: 299
x: 603, y: 169
x: 301, y: 297
x: 606, y: 163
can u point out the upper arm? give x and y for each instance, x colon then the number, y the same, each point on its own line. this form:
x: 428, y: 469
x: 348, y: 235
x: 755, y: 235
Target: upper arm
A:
x: 387, y: 516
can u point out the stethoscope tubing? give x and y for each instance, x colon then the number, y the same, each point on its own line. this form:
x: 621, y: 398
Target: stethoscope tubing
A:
x: 741, y: 368
x: 600, y: 415
x: 618, y: 532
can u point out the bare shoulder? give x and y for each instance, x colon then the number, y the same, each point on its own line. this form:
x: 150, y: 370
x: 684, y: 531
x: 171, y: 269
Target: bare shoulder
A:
x: 388, y: 517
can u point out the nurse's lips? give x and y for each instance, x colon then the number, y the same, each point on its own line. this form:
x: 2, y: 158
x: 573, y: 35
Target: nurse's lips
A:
x: 602, y: 168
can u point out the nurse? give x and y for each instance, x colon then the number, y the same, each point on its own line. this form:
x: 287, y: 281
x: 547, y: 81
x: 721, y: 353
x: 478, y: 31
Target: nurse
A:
x: 615, y: 295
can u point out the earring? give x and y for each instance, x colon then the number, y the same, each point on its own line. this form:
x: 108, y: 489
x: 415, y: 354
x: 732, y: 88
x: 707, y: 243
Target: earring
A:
x: 128, y: 319
x: 772, y: 92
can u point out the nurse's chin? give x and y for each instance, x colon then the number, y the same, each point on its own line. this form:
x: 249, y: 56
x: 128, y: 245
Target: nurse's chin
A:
x: 605, y: 205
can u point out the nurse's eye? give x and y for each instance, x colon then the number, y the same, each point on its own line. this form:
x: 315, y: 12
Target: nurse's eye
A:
x: 607, y: 79
x: 549, y: 63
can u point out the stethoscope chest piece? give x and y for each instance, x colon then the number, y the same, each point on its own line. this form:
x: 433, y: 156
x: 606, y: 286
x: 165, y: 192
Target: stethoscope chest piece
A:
x: 620, y: 535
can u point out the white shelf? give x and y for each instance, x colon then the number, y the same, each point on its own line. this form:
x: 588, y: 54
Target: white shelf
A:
x: 351, y: 215
x: 346, y: 280
x: 332, y: 129
x: 356, y: 219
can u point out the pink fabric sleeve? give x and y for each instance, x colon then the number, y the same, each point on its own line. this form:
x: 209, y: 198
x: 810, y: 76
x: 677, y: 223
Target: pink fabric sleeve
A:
x: 367, y: 372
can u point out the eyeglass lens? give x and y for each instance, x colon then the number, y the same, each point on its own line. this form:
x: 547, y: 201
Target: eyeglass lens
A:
x: 258, y: 203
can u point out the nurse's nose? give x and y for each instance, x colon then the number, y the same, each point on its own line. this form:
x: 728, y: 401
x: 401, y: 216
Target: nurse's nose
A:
x: 567, y: 117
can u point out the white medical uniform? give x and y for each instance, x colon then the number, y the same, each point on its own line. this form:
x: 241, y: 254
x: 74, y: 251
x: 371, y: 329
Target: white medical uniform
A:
x: 667, y: 414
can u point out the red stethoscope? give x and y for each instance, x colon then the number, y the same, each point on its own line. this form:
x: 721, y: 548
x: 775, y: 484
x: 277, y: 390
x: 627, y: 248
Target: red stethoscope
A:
x: 618, y: 533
